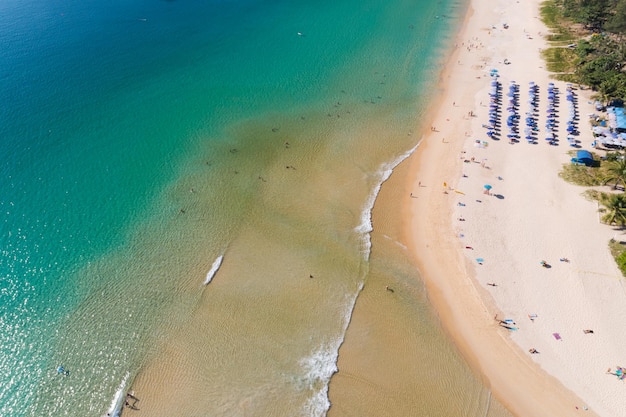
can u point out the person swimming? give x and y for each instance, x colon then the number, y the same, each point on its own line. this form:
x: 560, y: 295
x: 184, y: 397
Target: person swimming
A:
x: 62, y: 371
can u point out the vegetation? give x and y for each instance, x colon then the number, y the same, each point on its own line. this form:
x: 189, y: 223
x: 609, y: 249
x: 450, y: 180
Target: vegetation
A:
x: 604, y: 172
x: 552, y: 15
x: 588, y: 45
x: 597, y: 15
x: 560, y: 61
x: 615, y: 172
x: 581, y: 175
x: 614, y: 209
x: 618, y: 250
x: 611, y: 170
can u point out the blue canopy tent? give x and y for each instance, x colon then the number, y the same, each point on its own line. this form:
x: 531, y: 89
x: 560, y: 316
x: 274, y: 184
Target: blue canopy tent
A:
x: 583, y: 158
x: 620, y: 119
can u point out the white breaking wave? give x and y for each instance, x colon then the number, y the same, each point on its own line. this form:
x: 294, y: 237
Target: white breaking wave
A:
x: 383, y: 174
x: 320, y: 366
x: 118, y: 399
x: 214, y: 268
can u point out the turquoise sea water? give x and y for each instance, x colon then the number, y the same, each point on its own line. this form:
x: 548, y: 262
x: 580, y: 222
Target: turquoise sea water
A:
x: 142, y: 140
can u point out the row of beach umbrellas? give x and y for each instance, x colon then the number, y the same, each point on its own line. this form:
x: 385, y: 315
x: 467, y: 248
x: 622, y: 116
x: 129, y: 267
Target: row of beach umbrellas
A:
x: 512, y: 120
x: 572, y: 115
x: 532, y: 127
x: 552, y: 124
x: 495, y: 99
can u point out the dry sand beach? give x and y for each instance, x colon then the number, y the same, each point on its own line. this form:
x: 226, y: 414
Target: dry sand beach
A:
x: 530, y: 215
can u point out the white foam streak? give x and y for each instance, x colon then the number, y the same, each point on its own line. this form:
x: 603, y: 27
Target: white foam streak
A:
x: 383, y: 174
x: 214, y: 268
x: 320, y: 366
x: 118, y: 399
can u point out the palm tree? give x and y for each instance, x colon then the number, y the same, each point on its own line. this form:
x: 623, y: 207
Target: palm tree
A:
x: 614, y: 210
x: 616, y: 171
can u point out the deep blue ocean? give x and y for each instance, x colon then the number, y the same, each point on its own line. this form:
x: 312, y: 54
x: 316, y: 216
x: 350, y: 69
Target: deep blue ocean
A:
x: 112, y: 111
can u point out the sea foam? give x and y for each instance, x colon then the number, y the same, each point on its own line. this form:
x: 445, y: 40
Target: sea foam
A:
x: 365, y: 227
x: 214, y: 268
x: 320, y: 366
x: 115, y: 410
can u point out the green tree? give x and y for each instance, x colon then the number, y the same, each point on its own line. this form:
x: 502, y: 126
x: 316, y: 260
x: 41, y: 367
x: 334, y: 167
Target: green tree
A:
x: 593, y: 13
x: 584, y: 48
x: 614, y: 210
x: 617, y: 21
x: 596, y: 71
x: 616, y: 172
x: 613, y: 88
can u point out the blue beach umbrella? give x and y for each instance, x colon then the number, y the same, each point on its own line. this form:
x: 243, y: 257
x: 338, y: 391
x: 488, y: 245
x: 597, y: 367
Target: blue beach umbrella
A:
x: 487, y: 187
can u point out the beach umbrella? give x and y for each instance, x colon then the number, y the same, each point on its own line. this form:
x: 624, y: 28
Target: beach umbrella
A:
x: 487, y: 187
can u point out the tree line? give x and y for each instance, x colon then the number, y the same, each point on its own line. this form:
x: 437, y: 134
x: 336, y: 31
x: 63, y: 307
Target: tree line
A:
x: 597, y: 15
x: 599, y: 58
x: 601, y: 54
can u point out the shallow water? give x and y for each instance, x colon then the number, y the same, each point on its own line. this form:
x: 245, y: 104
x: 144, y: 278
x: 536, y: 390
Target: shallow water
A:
x: 143, y: 141
x: 396, y: 359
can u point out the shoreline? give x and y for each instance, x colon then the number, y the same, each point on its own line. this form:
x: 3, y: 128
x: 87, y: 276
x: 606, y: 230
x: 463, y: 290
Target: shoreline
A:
x: 456, y: 285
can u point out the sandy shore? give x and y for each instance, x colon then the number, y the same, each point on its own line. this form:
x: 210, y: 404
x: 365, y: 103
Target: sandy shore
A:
x: 530, y: 216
